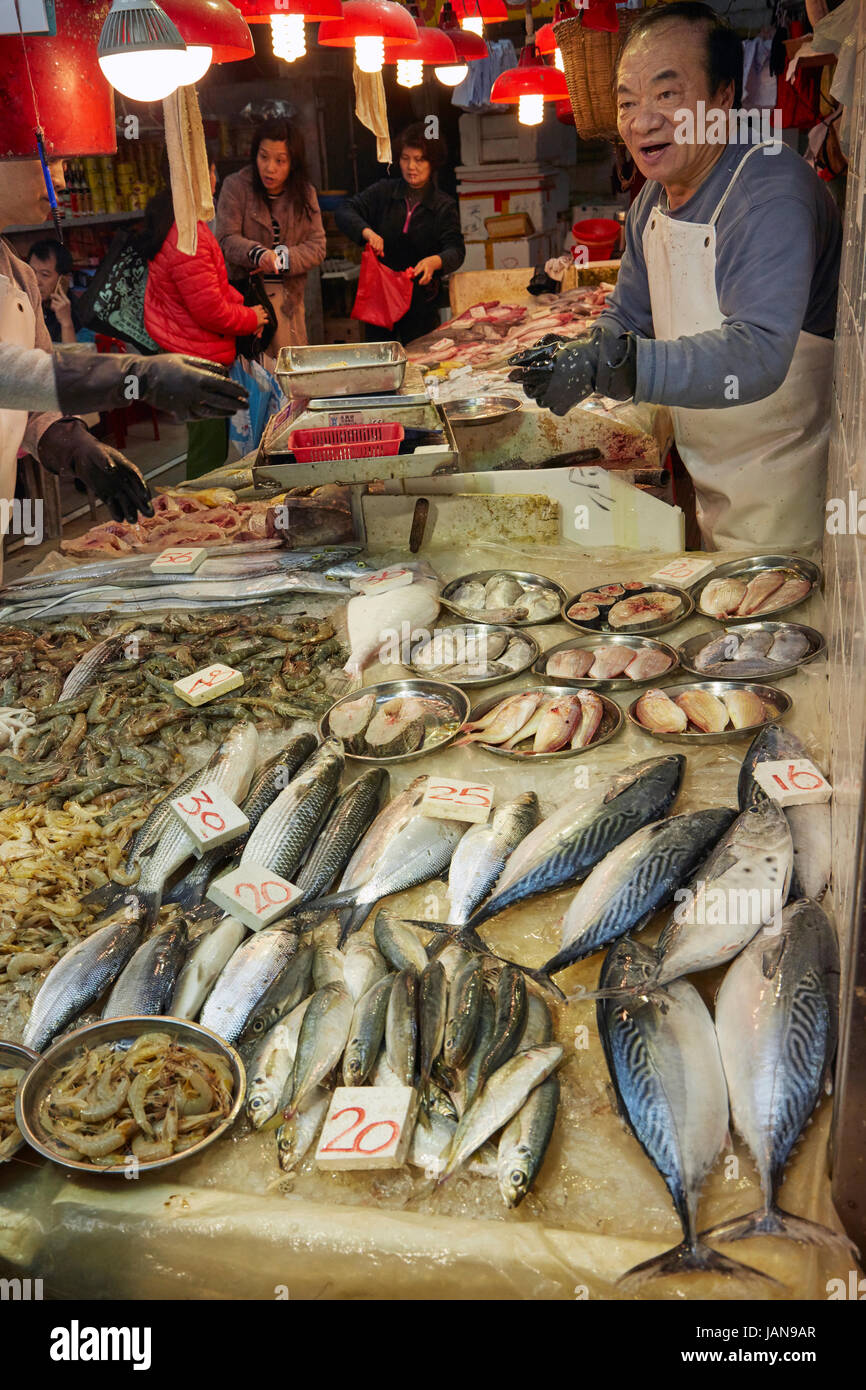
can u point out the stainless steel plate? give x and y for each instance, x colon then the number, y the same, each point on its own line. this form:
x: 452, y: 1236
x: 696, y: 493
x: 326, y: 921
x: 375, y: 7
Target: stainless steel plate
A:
x: 470, y: 637
x: 341, y: 369
x: 644, y: 630
x: 747, y: 569
x: 611, y: 722
x: 777, y: 702
x: 522, y: 576
x: 122, y: 1032
x: 16, y: 1055
x: 690, y: 649
x: 455, y: 711
x: 609, y: 640
x: 480, y: 410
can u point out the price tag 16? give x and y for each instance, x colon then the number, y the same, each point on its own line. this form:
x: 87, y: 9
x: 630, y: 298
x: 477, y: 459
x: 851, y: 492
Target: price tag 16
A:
x: 684, y: 571
x: 448, y: 799
x: 793, y: 783
x: 253, y: 894
x: 397, y: 577
x: 367, y: 1127
x: 179, y: 560
x: 208, y: 683
x: 210, y: 816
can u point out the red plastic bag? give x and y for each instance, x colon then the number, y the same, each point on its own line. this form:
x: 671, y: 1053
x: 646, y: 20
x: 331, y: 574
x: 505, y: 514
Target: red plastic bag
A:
x: 383, y: 295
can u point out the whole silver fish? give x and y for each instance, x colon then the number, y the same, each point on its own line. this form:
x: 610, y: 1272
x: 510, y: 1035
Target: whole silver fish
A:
x: 292, y: 821
x: 811, y: 824
x: 664, y: 1062
x: 149, y: 832
x: 538, y: 1025
x: 245, y: 978
x: 323, y: 1038
x: 84, y: 670
x: 508, y: 1024
x: 271, y: 1065
x: 469, y: 1078
x: 777, y: 1024
x: 362, y: 967
x: 296, y: 1136
x: 523, y: 1143
x: 464, y: 1007
x: 288, y: 989
x: 430, y: 1145
x: 212, y: 950
x: 398, y: 943
x: 328, y: 966
x: 388, y: 823
x: 432, y: 1016
x: 80, y: 977
x: 366, y: 1032
x: 351, y: 817
x: 146, y: 984
x: 502, y: 1096
x: 452, y: 955
x: 401, y: 1027
x: 481, y: 855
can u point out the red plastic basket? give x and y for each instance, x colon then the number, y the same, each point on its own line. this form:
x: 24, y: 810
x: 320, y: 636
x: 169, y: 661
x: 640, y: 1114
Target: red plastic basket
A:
x: 345, y: 442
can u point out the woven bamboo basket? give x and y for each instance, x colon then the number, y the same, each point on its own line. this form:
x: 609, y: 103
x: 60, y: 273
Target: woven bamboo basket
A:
x: 589, y: 56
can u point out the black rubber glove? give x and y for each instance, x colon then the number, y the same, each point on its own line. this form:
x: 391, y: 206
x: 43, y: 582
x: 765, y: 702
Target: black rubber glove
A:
x: 559, y: 378
x: 68, y: 445
x: 188, y: 388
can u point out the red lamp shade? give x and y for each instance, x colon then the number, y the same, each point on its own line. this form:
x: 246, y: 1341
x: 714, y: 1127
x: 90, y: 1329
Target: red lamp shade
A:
x: 469, y: 47
x: 491, y: 11
x: 260, y: 11
x: 214, y: 24
x: 545, y: 40
x: 529, y: 79
x: 369, y: 19
x: 564, y: 113
x: 433, y: 47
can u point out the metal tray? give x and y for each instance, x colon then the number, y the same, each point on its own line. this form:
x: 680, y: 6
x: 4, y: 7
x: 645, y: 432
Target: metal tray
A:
x: 480, y: 410
x: 747, y: 569
x: 522, y: 575
x: 390, y: 690
x: 16, y: 1055
x: 39, y: 1080
x: 646, y: 629
x: 609, y: 640
x: 690, y: 649
x: 341, y: 369
x: 778, y: 700
x: 481, y: 631
x: 611, y: 722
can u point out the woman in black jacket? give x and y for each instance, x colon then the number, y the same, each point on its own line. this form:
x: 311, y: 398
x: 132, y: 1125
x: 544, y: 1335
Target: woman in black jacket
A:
x: 409, y: 223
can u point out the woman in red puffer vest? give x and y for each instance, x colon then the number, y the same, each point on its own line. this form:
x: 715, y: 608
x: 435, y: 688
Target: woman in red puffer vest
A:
x: 190, y: 307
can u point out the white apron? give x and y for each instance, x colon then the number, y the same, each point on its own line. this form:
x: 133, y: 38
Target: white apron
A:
x: 760, y: 469
x: 17, y: 325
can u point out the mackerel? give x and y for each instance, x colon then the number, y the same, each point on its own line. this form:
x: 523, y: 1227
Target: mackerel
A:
x: 366, y: 1032
x: 501, y: 1098
x: 323, y: 1037
x: 523, y: 1143
x: 401, y: 1027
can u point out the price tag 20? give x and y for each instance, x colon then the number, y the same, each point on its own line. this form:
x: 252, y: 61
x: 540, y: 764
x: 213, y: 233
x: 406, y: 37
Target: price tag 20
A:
x: 208, y: 683
x: 446, y: 798
x: 367, y: 1127
x: 211, y: 817
x: 380, y: 581
x: 253, y: 894
x: 793, y: 783
x: 684, y: 571
x: 179, y: 560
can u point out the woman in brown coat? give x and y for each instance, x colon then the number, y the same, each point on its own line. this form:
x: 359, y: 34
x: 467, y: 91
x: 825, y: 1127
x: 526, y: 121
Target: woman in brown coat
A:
x: 272, y: 204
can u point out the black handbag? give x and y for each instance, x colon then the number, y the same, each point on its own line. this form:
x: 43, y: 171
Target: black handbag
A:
x: 113, y: 302
x: 253, y: 345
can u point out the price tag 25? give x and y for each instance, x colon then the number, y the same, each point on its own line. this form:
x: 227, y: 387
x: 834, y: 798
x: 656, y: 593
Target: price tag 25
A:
x: 380, y: 581
x: 210, y: 817
x: 793, y: 783
x: 254, y: 894
x: 367, y: 1127
x: 447, y: 798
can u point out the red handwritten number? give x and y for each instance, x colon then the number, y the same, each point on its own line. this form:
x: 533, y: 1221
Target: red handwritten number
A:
x: 262, y: 896
x: 216, y: 821
x: 357, y: 1147
x: 176, y: 557
x: 811, y: 784
x: 210, y: 677
x: 464, y: 794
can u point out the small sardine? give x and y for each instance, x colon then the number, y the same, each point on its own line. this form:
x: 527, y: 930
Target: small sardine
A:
x: 508, y: 1022
x: 502, y: 1096
x: 399, y: 944
x: 271, y: 1065
x: 523, y: 1143
x: 366, y: 1032
x: 401, y: 1027
x: 464, y: 1007
x: 328, y: 966
x: 296, y: 1136
x: 362, y: 967
x: 432, y: 1014
x: 323, y: 1037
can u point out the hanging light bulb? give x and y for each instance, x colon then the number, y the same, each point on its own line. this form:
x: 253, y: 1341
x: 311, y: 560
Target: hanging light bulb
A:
x: 410, y: 72
x: 530, y: 109
x: 452, y: 76
x: 287, y: 36
x: 198, y: 60
x: 141, y: 52
x: 558, y: 60
x: 474, y: 24
x: 370, y: 52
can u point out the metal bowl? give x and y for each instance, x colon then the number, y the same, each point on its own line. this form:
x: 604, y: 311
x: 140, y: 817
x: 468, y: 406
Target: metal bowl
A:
x: 522, y: 576
x: 609, y: 640
x: 480, y: 410
x: 747, y: 569
x: 690, y: 649
x: 645, y: 629
x: 450, y: 695
x: 16, y: 1055
x: 481, y: 631
x: 122, y: 1031
x: 779, y: 703
x: 611, y: 722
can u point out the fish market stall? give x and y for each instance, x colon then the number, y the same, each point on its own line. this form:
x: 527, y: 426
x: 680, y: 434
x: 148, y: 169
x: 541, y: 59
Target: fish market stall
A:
x: 564, y: 1202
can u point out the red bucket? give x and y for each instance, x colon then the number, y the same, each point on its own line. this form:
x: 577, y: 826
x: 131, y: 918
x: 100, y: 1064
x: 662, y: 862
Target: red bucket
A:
x: 600, y: 236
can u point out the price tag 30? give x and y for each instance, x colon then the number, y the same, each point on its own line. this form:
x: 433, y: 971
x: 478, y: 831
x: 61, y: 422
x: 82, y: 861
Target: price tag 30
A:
x: 253, y: 894
x: 367, y: 1127
x: 448, y: 799
x: 208, y: 683
x: 211, y: 817
x: 397, y: 577
x: 684, y: 571
x: 793, y: 783
x: 180, y: 560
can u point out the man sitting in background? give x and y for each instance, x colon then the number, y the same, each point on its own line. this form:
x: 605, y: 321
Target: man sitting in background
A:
x: 51, y: 264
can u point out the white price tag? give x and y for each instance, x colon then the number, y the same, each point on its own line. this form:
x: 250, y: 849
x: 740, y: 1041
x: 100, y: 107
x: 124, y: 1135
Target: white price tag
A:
x: 446, y: 798
x: 367, y: 1127
x: 684, y: 571
x: 380, y: 581
x: 210, y: 816
x: 793, y: 783
x: 208, y: 683
x: 253, y: 894
x: 179, y: 560
x: 346, y: 417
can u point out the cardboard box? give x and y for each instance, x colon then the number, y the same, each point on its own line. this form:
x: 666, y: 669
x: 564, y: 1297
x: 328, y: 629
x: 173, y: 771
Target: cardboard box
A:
x: 495, y: 137
x: 508, y: 254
